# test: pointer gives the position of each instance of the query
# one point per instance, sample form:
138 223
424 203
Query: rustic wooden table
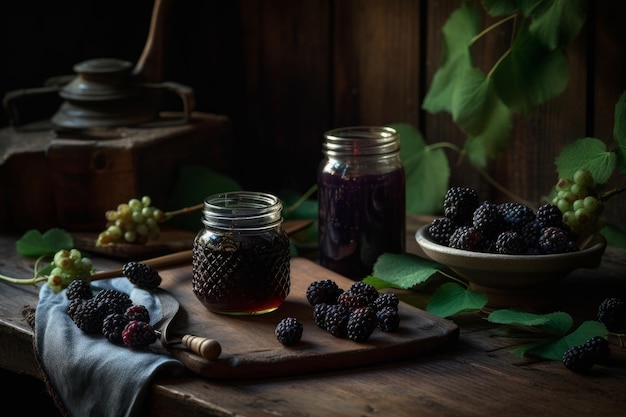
477 376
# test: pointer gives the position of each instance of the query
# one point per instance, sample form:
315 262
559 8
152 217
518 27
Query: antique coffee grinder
108 141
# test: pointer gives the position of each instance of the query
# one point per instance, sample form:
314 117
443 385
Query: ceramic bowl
511 276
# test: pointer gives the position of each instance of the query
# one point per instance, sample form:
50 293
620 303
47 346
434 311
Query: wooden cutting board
250 348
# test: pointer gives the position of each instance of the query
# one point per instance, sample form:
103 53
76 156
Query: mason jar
241 258
361 196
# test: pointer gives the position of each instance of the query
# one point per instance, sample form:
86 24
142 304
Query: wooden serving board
250 348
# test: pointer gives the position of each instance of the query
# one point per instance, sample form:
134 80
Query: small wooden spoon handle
209 349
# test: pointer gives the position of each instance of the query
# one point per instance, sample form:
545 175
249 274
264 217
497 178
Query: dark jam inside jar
237 273
361 217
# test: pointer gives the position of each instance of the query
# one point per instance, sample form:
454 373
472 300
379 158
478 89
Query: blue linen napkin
91 375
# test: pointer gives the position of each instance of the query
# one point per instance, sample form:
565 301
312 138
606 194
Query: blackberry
113 326
116 301
141 275
441 229
612 313
88 315
388 319
323 291
601 346
365 290
530 233
515 215
78 289
336 320
487 220
138 312
74 306
549 215
289 331
138 334
351 300
361 323
459 204
319 314
555 240
579 358
386 300
467 238
510 243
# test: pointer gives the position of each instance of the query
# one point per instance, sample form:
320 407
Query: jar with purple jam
241 258
361 196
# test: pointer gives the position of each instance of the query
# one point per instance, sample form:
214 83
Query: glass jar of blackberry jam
361 196
241 258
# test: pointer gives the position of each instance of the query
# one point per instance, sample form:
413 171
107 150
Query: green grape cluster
67 266
134 222
577 199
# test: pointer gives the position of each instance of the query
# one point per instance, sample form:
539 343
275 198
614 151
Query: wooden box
54 179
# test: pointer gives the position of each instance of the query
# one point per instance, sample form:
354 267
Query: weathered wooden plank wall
286 71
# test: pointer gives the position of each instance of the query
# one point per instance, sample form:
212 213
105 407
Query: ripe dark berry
319 314
555 240
88 315
142 275
510 243
112 327
351 300
386 300
579 359
289 331
515 215
612 313
467 238
365 290
441 229
549 215
323 291
487 220
601 346
115 301
138 334
138 312
79 289
361 324
459 204
336 320
388 319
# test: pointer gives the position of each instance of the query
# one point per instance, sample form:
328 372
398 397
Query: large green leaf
557 323
473 101
619 132
34 244
411 139
427 180
458 34
586 153
499 7
560 22
530 74
451 298
493 140
404 270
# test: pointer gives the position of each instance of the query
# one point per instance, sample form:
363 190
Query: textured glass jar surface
361 196
244 269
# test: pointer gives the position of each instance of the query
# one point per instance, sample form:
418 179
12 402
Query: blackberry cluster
289 331
324 291
612 313
504 228
110 313
356 312
142 275
582 358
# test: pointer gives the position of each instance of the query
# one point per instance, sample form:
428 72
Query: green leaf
499 7
194 184
586 153
555 350
378 283
560 22
557 323
493 140
451 298
404 270
615 237
530 74
472 101
619 132
427 171
458 34
35 244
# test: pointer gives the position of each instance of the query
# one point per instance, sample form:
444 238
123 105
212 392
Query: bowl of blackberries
507 246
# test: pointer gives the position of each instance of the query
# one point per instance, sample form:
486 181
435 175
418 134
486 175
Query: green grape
576 199
584 178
